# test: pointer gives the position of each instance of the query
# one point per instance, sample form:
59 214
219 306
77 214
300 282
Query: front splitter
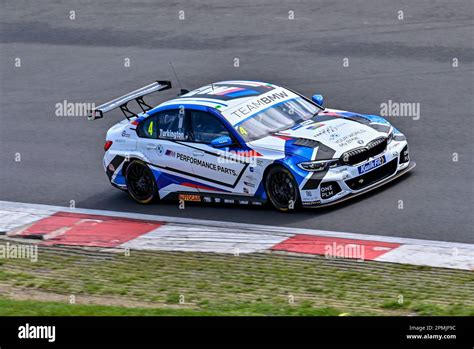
410 167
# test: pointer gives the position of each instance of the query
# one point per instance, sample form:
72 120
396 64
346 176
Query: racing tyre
282 189
141 182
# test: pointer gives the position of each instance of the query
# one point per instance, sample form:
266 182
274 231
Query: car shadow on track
119 201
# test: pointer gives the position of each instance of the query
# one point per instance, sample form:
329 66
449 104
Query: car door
219 168
160 136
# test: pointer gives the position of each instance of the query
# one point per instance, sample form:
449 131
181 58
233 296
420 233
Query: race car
248 142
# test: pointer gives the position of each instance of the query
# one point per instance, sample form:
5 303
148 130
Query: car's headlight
390 136
320 165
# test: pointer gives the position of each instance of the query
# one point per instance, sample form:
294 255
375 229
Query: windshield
279 117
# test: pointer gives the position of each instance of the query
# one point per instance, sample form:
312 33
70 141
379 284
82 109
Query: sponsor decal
258 203
285 138
350 138
296 127
243 202
230 89
315 126
202 163
328 130
125 134
371 165
190 197
172 134
250 178
214 90
223 90
327 191
217 200
170 153
229 201
259 103
207 199
405 156
360 141
246 190
248 184
310 203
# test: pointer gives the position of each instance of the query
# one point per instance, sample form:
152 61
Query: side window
168 124
171 124
206 127
147 128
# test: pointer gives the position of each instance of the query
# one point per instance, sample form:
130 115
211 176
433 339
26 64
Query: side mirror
318 99
222 141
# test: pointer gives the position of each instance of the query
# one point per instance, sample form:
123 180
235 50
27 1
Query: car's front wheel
141 182
282 189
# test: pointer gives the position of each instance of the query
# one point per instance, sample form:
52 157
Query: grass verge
46 308
183 283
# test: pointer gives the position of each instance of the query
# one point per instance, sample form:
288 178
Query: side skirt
214 198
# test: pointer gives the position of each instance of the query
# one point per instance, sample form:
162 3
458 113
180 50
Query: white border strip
188 234
15 208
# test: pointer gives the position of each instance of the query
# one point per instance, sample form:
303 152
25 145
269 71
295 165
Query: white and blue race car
248 142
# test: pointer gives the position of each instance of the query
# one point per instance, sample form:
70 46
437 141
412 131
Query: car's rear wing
122 102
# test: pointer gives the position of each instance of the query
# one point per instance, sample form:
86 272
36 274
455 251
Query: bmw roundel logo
360 141
160 149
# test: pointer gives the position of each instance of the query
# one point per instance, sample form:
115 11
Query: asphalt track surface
82 60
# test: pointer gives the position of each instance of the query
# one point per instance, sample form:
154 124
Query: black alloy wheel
282 189
140 182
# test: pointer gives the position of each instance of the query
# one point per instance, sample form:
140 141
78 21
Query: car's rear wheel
282 189
141 182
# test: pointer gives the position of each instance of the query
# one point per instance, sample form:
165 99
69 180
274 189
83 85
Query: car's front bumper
345 182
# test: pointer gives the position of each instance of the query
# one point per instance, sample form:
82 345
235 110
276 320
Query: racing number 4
150 129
